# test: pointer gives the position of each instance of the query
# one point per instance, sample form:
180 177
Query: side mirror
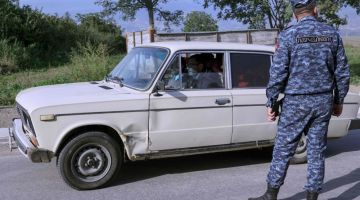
160 86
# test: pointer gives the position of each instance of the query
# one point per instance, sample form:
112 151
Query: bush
11 56
90 62
353 54
47 40
87 63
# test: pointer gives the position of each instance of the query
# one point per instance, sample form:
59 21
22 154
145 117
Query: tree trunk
150 8
270 19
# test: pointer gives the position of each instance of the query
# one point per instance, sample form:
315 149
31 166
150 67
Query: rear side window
250 70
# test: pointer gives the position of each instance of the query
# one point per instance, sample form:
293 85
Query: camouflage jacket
310 59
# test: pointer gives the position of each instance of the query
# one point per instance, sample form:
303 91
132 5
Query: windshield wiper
116 79
107 77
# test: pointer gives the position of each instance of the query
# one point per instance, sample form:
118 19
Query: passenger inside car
216 67
201 74
198 71
242 81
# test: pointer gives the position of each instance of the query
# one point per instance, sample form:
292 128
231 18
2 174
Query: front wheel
90 160
300 155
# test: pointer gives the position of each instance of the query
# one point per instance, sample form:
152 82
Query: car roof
192 45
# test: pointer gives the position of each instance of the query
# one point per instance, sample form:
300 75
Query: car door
191 112
249 77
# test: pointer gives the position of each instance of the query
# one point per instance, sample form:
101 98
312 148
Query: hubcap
301 145
91 162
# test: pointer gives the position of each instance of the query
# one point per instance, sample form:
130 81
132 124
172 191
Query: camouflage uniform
310 67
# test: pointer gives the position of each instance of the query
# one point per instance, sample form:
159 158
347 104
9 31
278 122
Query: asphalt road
234 175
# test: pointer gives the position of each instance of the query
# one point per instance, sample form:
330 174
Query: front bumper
17 135
354 124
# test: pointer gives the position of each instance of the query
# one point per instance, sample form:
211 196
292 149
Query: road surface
234 175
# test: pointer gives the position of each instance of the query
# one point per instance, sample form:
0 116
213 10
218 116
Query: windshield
139 67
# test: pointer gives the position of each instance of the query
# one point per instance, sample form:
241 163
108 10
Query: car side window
172 77
195 71
250 70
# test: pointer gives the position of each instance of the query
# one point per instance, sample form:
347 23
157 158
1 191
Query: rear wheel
90 160
300 155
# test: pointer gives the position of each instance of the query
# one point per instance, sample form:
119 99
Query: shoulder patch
313 39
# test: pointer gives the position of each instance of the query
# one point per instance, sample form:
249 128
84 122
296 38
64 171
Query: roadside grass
353 53
86 65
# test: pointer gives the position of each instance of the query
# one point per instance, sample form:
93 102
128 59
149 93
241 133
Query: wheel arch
112 132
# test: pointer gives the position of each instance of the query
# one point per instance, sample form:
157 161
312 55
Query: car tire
300 155
90 160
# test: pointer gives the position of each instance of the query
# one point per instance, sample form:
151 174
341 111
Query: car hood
72 94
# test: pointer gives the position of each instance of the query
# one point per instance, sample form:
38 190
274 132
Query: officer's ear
295 17
315 11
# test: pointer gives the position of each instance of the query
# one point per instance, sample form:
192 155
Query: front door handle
222 101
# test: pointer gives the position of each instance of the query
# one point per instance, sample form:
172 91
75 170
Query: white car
163 99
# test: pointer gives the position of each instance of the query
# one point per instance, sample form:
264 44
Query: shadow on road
349 194
136 171
141 170
348 143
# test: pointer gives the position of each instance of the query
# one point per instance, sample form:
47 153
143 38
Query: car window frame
154 79
270 54
177 53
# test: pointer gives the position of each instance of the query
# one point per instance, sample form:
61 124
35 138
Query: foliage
197 21
276 13
129 8
99 30
353 54
92 62
87 63
329 10
48 39
11 55
256 13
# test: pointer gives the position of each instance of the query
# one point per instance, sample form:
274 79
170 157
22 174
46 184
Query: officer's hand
271 116
337 110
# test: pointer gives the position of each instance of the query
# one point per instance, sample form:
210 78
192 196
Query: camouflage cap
301 3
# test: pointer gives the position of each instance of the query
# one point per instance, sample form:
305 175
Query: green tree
260 14
129 8
256 13
100 30
198 21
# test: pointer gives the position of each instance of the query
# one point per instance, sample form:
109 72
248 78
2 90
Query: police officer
310 67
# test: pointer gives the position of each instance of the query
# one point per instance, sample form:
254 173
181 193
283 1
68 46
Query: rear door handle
222 101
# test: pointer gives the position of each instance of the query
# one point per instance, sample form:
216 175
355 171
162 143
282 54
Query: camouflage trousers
309 114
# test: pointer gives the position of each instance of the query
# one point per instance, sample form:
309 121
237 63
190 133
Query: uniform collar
310 17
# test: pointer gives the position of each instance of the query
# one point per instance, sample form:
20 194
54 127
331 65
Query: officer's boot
312 195
270 194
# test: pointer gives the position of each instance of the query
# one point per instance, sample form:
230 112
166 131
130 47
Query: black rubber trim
153 110
354 124
351 103
244 105
250 105
96 113
189 108
162 109
207 149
